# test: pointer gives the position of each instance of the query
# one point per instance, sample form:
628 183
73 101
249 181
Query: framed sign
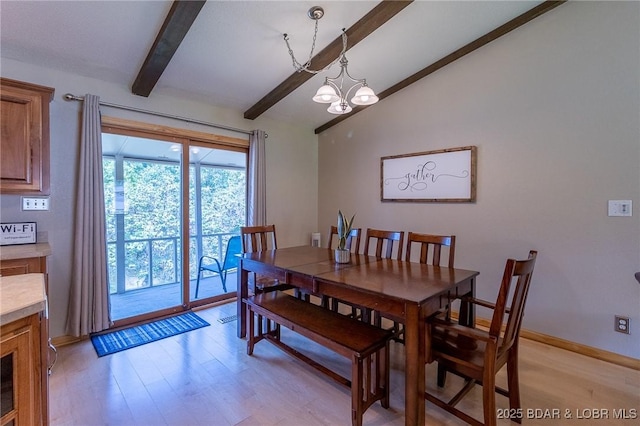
446 175
17 233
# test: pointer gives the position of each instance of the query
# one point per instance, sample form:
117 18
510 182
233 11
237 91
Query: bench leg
357 391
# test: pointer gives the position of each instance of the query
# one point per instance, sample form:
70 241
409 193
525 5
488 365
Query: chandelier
335 91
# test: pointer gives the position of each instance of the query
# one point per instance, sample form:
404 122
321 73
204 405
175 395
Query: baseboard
65 340
581 349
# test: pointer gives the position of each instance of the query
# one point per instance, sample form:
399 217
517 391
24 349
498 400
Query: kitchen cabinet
21 367
23 340
23 264
24 141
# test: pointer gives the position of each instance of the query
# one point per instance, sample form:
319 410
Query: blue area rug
116 341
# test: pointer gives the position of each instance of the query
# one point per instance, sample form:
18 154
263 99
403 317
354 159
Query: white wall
291 166
554 109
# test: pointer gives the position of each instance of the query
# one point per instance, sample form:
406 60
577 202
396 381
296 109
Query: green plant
344 229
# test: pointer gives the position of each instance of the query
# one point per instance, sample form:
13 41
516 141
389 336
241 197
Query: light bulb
364 96
340 107
325 95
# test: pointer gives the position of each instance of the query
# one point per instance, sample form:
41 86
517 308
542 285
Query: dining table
403 291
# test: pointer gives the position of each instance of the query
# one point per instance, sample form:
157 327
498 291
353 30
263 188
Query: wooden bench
365 345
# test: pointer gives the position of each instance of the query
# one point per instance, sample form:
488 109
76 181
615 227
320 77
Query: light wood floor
204 377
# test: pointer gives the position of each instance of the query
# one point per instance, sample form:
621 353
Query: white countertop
21 296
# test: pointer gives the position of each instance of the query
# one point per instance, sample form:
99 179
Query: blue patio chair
211 264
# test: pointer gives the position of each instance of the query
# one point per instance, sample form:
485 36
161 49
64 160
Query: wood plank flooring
205 377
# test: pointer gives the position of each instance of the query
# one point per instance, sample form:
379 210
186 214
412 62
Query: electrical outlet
622 324
35 203
620 208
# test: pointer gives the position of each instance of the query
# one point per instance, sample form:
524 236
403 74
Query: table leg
467 310
414 329
242 293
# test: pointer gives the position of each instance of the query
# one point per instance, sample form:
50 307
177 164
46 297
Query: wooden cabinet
21 366
20 260
23 266
24 141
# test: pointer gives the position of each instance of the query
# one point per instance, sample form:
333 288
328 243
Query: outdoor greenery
145 209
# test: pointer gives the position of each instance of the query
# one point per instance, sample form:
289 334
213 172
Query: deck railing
149 262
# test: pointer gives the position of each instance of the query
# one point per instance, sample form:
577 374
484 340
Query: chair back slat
520 272
384 241
435 243
258 238
350 244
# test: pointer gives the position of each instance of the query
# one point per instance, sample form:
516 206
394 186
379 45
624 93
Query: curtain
89 294
257 180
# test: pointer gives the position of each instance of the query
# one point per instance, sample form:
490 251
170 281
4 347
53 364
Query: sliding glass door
146 190
217 210
143 201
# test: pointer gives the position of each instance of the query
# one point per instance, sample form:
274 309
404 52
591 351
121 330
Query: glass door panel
217 210
143 202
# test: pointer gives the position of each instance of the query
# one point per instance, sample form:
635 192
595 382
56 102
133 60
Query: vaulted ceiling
232 53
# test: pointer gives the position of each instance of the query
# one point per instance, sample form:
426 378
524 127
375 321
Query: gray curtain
257 180
89 294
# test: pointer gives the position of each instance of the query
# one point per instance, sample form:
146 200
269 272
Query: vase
342 256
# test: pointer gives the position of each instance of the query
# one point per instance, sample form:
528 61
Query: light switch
35 203
620 208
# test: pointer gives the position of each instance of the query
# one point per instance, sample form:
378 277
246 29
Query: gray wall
554 111
291 151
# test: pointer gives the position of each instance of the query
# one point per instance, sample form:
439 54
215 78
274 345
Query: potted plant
342 254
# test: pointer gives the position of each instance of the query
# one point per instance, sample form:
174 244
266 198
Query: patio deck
151 299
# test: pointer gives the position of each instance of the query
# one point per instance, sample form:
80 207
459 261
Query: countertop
21 296
25 251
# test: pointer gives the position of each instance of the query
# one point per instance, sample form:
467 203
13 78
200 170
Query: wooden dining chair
353 245
431 248
384 242
476 354
261 238
431 253
258 238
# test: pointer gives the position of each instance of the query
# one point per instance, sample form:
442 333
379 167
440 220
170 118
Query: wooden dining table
406 292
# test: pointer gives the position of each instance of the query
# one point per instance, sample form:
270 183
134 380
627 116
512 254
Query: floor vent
227 319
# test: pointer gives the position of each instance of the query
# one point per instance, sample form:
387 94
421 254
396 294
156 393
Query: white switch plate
35 203
620 208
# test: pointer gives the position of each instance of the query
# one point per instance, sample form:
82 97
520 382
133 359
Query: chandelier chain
305 67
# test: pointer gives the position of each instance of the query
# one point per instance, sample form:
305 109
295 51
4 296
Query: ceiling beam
174 29
376 17
464 50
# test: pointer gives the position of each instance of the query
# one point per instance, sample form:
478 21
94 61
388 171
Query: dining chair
261 238
353 245
431 248
477 354
230 261
349 245
258 238
431 253
384 242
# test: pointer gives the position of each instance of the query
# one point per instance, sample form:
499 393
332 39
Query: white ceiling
234 53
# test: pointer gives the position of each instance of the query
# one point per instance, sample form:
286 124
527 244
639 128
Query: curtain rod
70 97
